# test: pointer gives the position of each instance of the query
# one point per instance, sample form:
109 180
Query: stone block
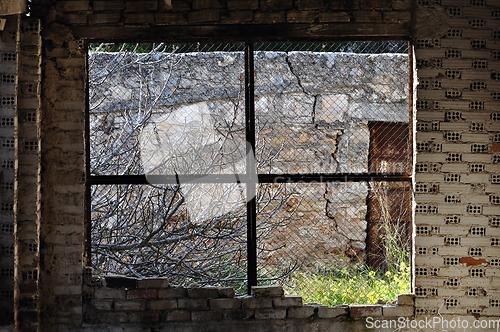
153 283
397 311
203 293
130 305
332 312
169 293
109 293
229 303
288 301
143 317
256 303
300 312
192 304
275 313
267 291
212 315
163 305
178 316
365 310
142 294
226 292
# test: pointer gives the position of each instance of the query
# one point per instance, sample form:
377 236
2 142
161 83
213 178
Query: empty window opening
239 164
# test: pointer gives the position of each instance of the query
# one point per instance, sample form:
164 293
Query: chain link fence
321 109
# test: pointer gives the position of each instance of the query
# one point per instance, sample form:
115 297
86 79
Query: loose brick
256 303
178 315
226 292
300 312
267 291
365 310
130 305
203 293
163 305
153 283
142 294
224 304
288 301
143 317
193 304
332 312
172 293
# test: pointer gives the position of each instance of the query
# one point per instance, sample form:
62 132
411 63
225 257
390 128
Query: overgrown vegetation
351 285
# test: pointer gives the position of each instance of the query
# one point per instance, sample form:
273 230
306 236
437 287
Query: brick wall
456 231
8 65
457 189
152 304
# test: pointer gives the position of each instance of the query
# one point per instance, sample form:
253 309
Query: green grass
351 285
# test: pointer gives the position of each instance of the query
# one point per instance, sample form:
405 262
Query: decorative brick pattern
466 243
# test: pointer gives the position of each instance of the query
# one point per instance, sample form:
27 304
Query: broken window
248 163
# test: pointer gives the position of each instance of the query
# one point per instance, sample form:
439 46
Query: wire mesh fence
321 108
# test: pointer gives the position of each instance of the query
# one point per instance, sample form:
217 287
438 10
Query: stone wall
312 114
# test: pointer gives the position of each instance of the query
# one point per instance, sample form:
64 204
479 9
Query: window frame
251 178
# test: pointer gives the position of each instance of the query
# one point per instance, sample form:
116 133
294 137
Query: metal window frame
251 176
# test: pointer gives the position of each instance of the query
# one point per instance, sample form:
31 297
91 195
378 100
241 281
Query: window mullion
250 167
